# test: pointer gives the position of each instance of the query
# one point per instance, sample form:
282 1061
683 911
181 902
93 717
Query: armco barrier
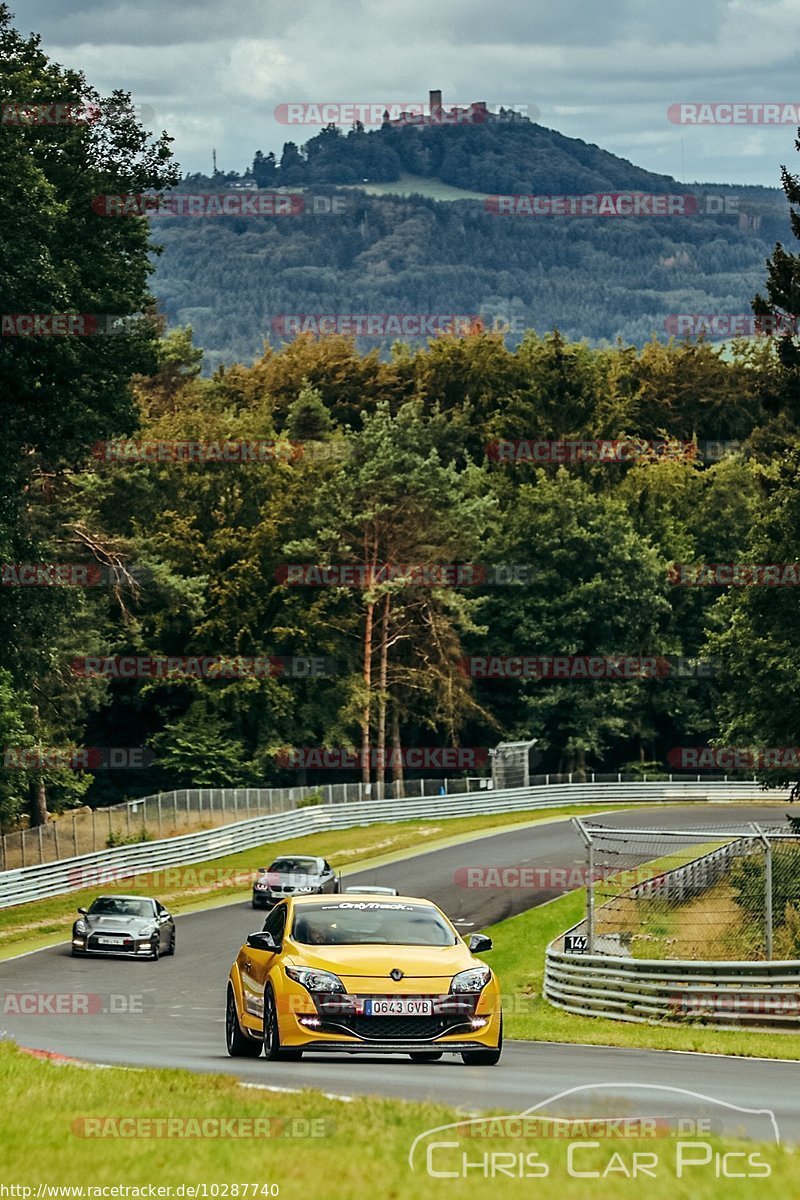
67 875
631 989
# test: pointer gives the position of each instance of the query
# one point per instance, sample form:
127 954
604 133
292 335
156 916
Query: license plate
111 941
391 1007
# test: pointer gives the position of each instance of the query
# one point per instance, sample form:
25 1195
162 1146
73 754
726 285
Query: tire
171 949
484 1058
238 1043
423 1056
273 1050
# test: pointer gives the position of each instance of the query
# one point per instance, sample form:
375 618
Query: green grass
363 1150
518 960
182 889
419 185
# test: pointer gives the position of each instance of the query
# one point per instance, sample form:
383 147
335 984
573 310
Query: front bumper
264 899
131 947
337 1022
346 1046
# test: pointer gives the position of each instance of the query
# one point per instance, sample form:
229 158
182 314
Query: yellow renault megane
363 974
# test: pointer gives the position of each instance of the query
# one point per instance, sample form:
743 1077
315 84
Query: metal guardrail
67 875
642 990
624 988
695 877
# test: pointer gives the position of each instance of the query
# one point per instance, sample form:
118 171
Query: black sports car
136 926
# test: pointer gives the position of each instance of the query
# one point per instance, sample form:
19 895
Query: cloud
605 73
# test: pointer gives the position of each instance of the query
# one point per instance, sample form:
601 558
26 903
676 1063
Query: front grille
93 944
395 1029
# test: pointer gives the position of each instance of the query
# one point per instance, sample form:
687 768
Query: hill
410 234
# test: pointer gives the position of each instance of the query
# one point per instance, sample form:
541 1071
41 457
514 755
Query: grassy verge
361 1145
419 185
518 959
223 880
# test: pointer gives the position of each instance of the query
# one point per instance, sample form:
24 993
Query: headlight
80 927
316 981
473 980
306 889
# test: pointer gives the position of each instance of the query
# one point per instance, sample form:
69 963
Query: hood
134 925
416 962
288 879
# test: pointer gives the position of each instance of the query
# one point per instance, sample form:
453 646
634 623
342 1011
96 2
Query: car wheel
156 952
484 1058
425 1055
273 1049
238 1043
171 949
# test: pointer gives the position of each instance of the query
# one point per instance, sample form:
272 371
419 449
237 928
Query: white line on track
273 1087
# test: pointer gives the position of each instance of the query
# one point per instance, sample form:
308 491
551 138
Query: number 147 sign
576 943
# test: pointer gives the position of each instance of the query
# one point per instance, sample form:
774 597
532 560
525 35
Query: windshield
295 866
360 923
113 906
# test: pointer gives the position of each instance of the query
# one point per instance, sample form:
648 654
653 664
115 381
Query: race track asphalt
179 1002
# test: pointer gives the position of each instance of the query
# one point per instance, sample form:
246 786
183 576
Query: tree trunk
397 754
383 673
370 559
367 710
38 799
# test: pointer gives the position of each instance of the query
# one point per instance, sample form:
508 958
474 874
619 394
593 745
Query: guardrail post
762 837
587 841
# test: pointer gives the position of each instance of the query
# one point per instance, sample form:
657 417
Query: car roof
317 858
115 896
359 898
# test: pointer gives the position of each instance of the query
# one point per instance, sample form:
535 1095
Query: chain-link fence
86 830
713 895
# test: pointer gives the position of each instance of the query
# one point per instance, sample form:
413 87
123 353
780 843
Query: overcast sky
214 72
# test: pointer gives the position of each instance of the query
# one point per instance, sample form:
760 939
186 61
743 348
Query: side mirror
479 943
83 912
263 941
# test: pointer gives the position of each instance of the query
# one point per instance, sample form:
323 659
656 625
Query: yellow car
368 974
